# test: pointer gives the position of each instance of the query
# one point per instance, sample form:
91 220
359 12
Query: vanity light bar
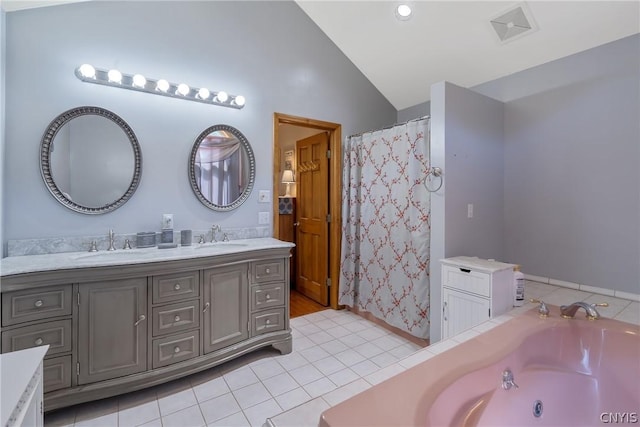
114 78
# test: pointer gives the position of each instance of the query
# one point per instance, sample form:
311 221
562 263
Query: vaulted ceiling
454 40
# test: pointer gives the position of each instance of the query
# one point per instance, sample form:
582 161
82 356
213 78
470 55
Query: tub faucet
111 241
569 311
543 310
507 380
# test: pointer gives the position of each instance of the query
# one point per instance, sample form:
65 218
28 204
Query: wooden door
112 329
226 318
312 235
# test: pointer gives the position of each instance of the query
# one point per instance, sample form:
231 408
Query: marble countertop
69 260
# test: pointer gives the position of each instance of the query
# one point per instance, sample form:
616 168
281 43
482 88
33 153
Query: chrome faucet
225 238
507 380
543 310
214 228
569 311
201 239
111 241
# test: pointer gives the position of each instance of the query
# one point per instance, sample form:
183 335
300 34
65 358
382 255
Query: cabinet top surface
476 263
18 367
69 260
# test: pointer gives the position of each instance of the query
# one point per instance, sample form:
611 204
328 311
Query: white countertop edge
70 260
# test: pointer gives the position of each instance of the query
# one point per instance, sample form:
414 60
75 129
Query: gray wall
270 52
467 143
414 112
3 49
572 166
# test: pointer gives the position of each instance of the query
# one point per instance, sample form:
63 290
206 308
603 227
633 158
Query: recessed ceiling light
403 12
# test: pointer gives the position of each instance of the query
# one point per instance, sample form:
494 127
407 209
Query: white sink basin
220 245
101 256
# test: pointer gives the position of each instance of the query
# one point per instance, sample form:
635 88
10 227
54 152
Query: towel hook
437 172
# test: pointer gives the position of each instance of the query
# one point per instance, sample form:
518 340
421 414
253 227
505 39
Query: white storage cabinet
474 290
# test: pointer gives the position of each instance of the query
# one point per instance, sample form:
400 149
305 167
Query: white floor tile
345 392
170 403
352 340
364 368
384 374
630 314
99 420
404 350
154 423
306 374
326 324
236 420
251 395
338 332
319 387
258 414
320 337
210 389
329 365
334 347
314 353
384 359
343 377
240 378
302 343
280 384
292 398
309 329
138 414
188 417
388 342
350 357
219 407
267 369
368 350
372 333
292 361
305 415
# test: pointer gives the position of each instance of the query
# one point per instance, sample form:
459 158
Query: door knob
140 319
295 224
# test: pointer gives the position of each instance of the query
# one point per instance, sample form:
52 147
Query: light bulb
162 85
87 71
139 80
222 96
239 100
203 93
183 89
114 76
403 11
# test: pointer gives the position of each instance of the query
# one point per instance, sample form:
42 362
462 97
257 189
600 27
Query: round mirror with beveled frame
90 160
222 168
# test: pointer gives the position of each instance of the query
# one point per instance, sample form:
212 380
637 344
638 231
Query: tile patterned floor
336 355
331 349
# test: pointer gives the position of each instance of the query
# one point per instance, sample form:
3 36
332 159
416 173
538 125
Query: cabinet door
226 303
461 311
112 329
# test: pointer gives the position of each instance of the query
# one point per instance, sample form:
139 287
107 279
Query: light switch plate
264 196
263 218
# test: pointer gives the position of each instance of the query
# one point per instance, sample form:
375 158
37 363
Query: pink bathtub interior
585 373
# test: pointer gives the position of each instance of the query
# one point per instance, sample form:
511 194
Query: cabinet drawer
173 287
267 271
57 373
266 296
36 304
466 280
175 348
267 321
56 334
176 317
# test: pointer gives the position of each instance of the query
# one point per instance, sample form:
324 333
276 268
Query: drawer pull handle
38 303
140 319
268 296
176 349
444 314
39 341
268 270
465 270
176 319
176 286
206 307
268 321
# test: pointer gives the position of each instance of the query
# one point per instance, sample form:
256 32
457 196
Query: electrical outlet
263 218
264 196
470 210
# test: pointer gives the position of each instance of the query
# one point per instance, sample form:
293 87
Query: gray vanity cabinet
226 315
112 329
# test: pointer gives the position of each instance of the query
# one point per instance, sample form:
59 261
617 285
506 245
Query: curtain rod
390 126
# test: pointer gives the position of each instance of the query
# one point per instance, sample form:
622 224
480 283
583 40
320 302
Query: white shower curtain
386 226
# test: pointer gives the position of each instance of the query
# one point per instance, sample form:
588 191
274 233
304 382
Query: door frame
335 188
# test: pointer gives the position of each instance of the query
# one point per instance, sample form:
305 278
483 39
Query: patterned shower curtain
386 226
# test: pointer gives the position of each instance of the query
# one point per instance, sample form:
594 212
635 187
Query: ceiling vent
514 23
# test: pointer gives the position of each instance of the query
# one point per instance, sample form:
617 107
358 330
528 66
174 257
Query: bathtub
568 372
